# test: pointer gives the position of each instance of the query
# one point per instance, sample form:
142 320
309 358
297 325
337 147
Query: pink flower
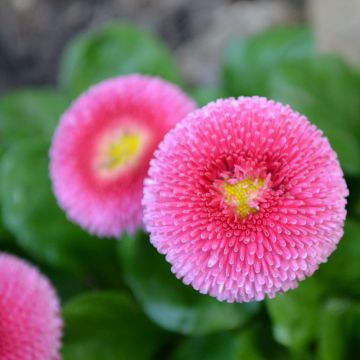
30 324
102 148
246 198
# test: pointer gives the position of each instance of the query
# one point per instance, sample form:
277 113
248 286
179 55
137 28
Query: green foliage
335 326
310 315
108 326
30 212
295 315
342 272
221 346
249 62
116 49
30 114
139 309
167 300
353 206
328 93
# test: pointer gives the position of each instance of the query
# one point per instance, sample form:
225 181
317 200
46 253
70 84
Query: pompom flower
102 147
245 197
30 324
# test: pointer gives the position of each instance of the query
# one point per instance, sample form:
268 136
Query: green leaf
334 329
5 236
353 205
255 343
167 301
342 271
294 315
249 62
115 49
30 114
67 283
107 326
356 322
328 93
3 231
220 346
30 212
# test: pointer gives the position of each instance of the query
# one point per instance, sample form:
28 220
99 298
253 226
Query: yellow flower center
242 193
117 150
122 150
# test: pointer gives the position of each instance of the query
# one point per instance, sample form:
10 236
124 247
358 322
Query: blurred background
33 33
119 298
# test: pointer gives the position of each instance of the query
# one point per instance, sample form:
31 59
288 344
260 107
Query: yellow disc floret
116 150
242 193
122 150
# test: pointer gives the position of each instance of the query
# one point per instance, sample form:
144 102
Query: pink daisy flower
245 197
30 324
102 148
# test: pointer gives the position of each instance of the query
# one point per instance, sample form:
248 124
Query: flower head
245 197
102 148
30 325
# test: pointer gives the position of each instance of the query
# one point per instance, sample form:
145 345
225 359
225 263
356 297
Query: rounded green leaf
220 346
3 232
342 271
115 49
167 301
353 205
30 114
249 62
67 283
328 93
30 212
295 313
335 325
107 326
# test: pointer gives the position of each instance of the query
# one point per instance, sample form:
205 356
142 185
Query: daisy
246 198
102 148
30 324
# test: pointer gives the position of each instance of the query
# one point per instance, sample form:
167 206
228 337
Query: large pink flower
30 324
102 148
245 197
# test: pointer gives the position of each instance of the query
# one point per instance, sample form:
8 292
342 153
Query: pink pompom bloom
245 197
30 323
102 147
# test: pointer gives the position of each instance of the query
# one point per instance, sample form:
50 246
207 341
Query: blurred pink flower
30 324
245 197
102 148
